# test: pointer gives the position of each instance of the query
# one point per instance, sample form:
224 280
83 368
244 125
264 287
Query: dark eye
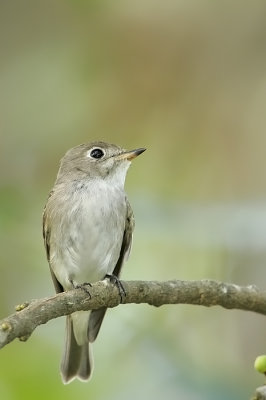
96 153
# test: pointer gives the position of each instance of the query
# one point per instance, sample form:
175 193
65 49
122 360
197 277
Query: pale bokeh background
187 80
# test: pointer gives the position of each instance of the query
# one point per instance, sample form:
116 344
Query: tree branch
260 393
104 294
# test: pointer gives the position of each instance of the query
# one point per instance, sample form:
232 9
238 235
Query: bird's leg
114 279
81 286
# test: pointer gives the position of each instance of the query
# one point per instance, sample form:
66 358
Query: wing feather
46 237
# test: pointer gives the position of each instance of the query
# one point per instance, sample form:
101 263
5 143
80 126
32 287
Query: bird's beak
130 155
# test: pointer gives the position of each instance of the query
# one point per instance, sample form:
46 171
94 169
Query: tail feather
76 360
95 322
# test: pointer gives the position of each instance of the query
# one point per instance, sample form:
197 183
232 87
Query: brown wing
96 316
46 226
127 240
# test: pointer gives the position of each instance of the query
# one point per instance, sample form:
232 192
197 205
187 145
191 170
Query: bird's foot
114 279
82 286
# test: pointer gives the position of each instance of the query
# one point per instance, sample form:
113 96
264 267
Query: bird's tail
77 358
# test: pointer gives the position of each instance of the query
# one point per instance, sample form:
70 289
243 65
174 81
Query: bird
87 230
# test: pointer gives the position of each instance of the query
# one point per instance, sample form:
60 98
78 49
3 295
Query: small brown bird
87 229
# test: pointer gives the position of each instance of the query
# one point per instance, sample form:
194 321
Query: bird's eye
96 153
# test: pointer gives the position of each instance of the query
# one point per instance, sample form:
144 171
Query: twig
260 393
104 294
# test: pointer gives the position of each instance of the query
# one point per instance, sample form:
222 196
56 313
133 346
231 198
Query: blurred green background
187 80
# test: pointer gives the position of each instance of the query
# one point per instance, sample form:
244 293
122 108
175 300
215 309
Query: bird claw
82 286
114 279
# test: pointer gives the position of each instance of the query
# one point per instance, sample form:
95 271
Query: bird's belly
96 254
90 242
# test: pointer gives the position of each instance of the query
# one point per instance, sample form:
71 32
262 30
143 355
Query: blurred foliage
187 80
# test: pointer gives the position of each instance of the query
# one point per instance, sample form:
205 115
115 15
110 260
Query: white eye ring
96 153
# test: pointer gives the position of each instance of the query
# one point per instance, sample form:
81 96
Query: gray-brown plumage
87 229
